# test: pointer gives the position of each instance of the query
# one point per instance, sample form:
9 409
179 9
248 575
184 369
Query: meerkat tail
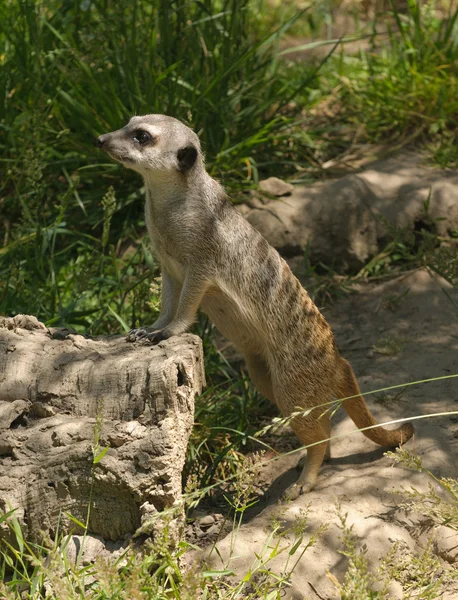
358 411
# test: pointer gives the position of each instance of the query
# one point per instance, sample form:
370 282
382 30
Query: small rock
7 443
370 354
60 333
40 410
143 460
10 411
446 543
214 530
197 514
117 440
200 533
22 322
86 547
206 521
132 428
276 187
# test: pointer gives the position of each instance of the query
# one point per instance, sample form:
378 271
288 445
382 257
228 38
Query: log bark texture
57 391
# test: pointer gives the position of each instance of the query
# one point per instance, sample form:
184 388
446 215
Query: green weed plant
72 252
403 86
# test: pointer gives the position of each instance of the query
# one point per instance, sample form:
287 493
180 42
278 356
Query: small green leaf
100 455
213 574
293 550
75 520
119 319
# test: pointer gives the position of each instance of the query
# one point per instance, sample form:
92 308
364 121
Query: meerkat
211 258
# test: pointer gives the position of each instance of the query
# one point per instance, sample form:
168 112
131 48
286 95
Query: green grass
71 72
86 69
34 571
403 87
72 248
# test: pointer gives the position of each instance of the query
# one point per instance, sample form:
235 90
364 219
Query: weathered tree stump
59 392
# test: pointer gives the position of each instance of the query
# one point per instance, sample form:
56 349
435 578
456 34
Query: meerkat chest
172 266
164 252
169 262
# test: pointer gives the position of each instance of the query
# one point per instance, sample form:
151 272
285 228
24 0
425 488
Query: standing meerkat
212 258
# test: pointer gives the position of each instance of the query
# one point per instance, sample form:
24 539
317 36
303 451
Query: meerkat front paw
149 334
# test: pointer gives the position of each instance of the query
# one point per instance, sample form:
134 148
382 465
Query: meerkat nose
100 142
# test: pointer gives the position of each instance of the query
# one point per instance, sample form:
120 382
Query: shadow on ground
396 332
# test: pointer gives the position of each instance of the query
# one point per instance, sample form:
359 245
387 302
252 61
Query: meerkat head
153 145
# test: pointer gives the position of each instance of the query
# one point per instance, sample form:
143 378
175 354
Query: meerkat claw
134 335
143 334
155 336
293 492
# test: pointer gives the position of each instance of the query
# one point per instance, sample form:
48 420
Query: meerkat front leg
170 297
192 292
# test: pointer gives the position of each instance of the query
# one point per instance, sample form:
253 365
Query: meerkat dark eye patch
186 158
142 137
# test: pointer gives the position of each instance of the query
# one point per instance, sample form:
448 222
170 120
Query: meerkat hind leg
310 432
303 460
260 375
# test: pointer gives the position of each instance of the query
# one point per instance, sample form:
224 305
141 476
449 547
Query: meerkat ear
186 158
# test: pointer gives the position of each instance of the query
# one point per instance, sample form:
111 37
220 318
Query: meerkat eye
142 137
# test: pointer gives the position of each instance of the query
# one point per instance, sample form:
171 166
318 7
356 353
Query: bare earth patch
343 222
393 333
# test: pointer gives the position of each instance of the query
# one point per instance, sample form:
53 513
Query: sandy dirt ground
394 332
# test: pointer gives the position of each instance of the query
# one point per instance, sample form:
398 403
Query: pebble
200 533
206 521
214 530
40 410
276 187
446 543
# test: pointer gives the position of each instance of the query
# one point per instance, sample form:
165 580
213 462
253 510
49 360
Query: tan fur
213 259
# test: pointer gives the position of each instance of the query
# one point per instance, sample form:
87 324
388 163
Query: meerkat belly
270 313
231 320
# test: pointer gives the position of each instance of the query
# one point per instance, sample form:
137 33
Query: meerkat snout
100 141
